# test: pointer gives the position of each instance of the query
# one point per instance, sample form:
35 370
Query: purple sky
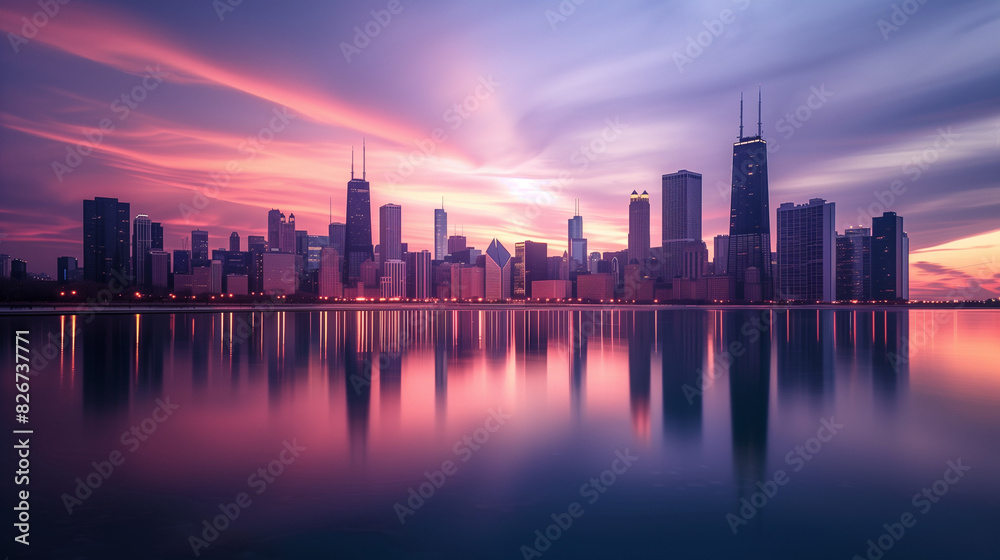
850 106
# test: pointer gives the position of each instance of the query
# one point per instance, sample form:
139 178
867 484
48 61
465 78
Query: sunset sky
894 109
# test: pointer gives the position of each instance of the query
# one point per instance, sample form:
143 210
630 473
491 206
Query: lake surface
688 433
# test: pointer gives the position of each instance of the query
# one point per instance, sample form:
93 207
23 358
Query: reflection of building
805 353
749 388
682 334
498 274
807 251
750 222
639 332
890 258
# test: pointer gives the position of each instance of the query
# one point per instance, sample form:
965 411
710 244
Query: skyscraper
720 259
393 282
576 243
390 232
681 218
807 251
638 228
854 264
142 244
337 232
199 245
234 242
890 258
531 265
286 234
330 275
156 236
497 272
456 243
274 219
422 274
749 219
440 233
105 239
358 233
66 269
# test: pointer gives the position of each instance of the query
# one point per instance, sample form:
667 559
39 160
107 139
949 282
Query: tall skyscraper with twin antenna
358 234
749 220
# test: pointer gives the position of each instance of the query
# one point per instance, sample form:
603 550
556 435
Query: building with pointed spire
576 243
749 220
358 233
440 232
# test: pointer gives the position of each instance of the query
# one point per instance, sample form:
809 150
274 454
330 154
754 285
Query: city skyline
812 117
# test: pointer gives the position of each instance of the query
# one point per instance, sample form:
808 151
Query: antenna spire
741 115
331 209
363 159
352 162
442 203
758 111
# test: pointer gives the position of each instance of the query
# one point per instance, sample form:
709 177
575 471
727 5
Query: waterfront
528 406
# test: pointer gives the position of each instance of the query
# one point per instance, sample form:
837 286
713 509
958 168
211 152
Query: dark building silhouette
638 228
854 265
749 221
358 235
199 245
234 242
530 265
105 239
890 258
156 236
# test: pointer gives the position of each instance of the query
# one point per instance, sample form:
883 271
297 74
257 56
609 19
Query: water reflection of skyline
364 356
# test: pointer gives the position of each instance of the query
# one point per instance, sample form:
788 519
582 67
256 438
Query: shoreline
48 309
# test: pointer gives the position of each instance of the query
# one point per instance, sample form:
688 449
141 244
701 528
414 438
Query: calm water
502 419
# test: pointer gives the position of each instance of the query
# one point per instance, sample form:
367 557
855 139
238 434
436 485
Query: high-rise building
256 243
156 236
316 245
234 242
720 257
4 266
286 234
199 245
393 282
498 274
390 232
456 243
638 228
854 264
531 264
159 269
19 270
576 243
330 275
302 243
807 251
337 233
274 219
440 233
358 233
749 219
279 275
105 239
422 274
142 244
66 268
182 261
681 226
890 258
